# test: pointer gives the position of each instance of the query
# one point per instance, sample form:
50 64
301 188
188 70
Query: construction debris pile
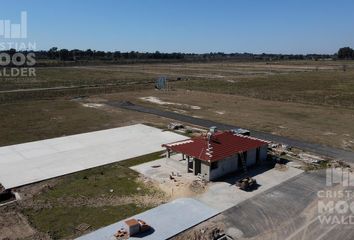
179 127
132 227
281 154
175 126
198 186
208 233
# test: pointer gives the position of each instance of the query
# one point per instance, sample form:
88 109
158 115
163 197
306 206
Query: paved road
347 156
288 211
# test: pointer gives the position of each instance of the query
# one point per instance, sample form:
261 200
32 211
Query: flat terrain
219 195
71 205
311 123
167 220
27 163
28 121
288 211
305 100
310 82
319 149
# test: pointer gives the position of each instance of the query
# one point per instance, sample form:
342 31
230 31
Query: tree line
77 55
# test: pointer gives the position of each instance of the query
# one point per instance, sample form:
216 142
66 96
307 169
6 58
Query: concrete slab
166 167
224 194
221 194
27 163
167 220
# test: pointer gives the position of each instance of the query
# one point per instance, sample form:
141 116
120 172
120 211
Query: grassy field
46 119
74 76
36 120
328 125
314 82
97 197
121 74
333 88
60 222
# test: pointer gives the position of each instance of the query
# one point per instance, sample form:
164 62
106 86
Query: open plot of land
329 88
37 120
31 162
303 98
315 82
309 101
318 124
167 220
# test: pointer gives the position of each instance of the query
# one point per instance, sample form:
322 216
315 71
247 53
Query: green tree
345 53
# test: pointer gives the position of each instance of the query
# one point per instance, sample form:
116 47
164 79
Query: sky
199 26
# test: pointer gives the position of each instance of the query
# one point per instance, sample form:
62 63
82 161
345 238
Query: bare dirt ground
171 177
14 225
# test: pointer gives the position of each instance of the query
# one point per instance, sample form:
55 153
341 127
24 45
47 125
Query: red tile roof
221 145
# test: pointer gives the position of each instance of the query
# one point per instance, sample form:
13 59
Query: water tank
213 129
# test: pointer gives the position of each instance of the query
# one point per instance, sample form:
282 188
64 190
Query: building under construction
219 153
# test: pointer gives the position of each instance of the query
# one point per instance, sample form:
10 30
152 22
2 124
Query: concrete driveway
222 195
167 220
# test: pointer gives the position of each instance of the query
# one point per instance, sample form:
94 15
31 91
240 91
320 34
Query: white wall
225 166
230 164
205 171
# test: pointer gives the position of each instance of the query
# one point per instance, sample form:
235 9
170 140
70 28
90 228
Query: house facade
219 153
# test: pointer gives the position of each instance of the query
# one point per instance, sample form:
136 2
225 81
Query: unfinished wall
263 153
225 166
230 164
205 171
251 157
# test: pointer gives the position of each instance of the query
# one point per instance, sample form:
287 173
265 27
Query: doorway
197 166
